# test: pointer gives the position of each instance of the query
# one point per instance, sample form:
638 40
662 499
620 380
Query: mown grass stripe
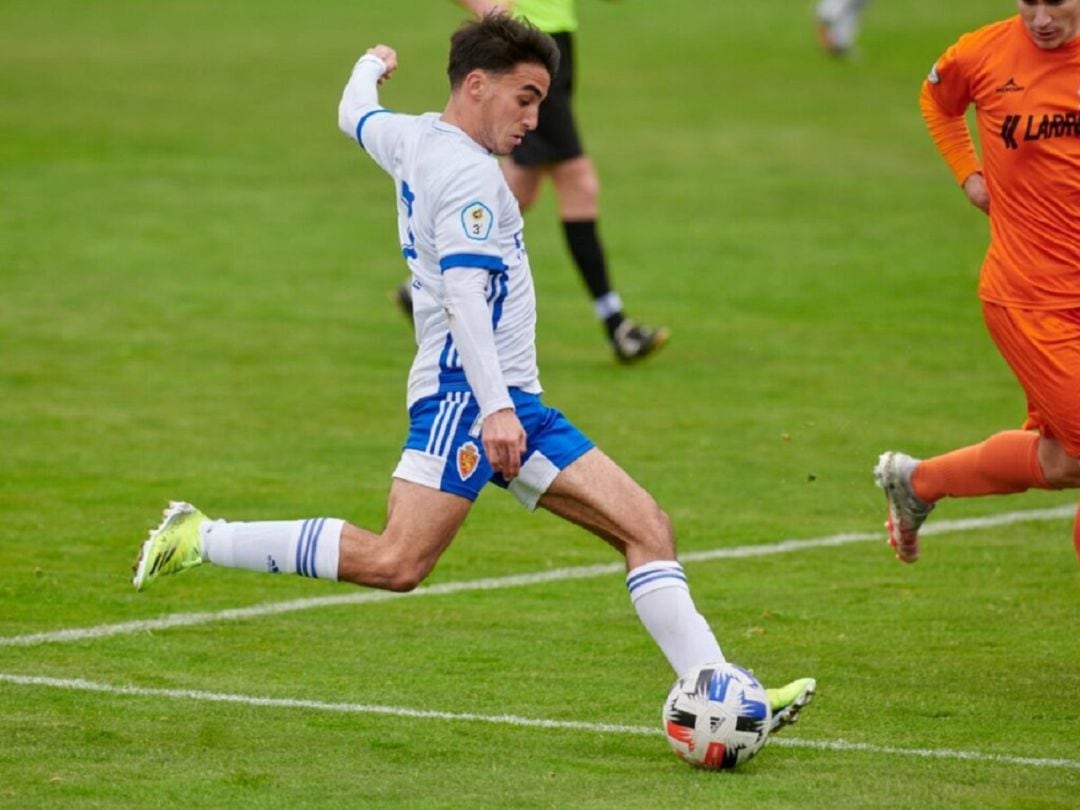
513 581
842 746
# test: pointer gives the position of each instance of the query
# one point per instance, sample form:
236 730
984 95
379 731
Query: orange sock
1006 462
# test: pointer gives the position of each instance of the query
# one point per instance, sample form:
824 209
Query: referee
555 149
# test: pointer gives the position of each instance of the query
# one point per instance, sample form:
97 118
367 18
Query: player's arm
943 101
360 98
467 239
465 298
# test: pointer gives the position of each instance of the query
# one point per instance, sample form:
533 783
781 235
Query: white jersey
456 214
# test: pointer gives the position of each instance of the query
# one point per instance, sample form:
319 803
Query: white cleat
907 511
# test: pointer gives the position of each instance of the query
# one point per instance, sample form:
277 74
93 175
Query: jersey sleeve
467 226
363 118
467 238
943 101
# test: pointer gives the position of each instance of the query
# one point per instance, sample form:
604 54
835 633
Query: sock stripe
300 547
654 577
313 543
651 568
306 545
639 578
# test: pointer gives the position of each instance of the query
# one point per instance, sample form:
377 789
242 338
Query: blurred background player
554 149
838 24
1023 76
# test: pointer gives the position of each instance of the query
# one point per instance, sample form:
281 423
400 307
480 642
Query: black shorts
555 138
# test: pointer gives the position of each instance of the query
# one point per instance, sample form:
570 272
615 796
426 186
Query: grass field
195 278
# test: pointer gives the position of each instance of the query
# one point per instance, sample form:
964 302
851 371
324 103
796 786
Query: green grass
195 270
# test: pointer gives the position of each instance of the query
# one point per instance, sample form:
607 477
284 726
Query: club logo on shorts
468 457
476 219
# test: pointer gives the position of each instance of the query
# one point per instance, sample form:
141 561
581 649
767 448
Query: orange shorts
1043 349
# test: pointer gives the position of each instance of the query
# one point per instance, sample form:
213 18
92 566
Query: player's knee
653 535
586 188
590 188
578 188
1060 469
526 197
397 570
404 581
404 577
1064 474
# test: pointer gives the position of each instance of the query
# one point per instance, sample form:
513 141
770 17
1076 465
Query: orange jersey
1027 105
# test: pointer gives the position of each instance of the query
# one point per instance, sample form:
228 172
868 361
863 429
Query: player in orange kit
1023 76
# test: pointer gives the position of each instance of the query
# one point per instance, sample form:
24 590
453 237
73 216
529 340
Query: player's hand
389 57
504 442
975 189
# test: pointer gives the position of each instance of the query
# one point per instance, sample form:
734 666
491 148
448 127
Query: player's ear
475 84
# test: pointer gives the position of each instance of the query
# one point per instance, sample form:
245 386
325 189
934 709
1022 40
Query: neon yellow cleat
174 546
788 701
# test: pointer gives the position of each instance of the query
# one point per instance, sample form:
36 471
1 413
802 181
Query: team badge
468 457
476 219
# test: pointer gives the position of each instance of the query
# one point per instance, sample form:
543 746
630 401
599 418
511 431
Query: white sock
664 605
306 547
607 305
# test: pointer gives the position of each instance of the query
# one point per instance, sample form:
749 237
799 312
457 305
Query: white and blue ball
717 716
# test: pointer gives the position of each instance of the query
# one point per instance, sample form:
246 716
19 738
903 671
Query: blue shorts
444 450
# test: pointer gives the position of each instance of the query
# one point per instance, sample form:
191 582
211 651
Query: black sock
584 243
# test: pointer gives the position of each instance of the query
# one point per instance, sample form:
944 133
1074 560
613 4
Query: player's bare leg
524 182
1061 470
577 188
598 495
577 192
420 524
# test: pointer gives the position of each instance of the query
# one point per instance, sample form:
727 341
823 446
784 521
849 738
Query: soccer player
554 149
1023 76
473 392
838 24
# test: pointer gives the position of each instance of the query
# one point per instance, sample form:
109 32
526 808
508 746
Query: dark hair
498 43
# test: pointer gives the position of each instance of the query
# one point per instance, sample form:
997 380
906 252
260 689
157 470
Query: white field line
519 580
512 720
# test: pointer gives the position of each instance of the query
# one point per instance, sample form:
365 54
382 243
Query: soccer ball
717 716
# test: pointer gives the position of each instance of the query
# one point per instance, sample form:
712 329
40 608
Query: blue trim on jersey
408 198
477 260
408 250
449 360
362 121
500 289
